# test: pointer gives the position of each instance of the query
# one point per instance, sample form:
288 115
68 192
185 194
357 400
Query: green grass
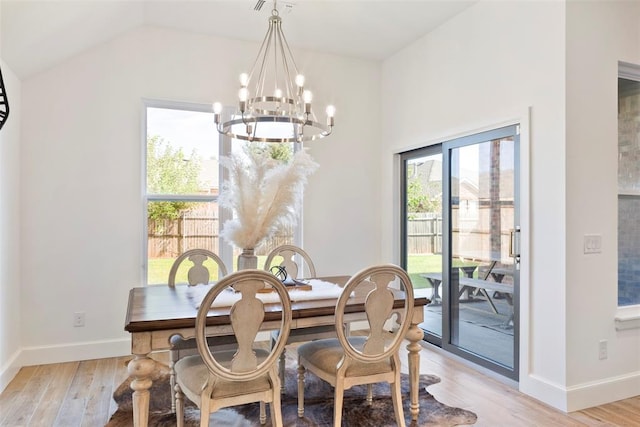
158 271
418 264
428 263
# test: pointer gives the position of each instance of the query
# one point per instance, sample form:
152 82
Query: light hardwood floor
79 394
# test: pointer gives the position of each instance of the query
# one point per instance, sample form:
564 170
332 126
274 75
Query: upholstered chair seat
193 374
325 355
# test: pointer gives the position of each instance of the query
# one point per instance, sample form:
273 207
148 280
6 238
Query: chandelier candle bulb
331 111
308 97
217 109
243 94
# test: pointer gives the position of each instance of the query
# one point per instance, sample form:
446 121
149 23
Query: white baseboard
603 391
9 370
87 350
582 396
539 388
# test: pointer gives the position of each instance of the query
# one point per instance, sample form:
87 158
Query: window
182 181
181 184
628 185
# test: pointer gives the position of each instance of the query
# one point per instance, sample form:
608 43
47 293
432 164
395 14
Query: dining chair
358 360
290 255
198 273
219 379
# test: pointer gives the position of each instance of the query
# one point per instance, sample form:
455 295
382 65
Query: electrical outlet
602 349
78 319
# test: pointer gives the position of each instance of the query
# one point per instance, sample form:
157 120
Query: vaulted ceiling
36 35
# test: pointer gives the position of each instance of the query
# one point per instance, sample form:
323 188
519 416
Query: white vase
247 259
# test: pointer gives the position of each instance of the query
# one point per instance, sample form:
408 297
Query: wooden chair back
289 253
198 273
247 316
380 343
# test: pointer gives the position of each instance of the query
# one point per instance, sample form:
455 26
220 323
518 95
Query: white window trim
176 105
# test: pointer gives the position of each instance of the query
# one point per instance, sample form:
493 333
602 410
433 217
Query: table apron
147 342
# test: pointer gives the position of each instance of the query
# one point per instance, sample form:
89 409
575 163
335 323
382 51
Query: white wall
599 34
81 176
486 67
9 231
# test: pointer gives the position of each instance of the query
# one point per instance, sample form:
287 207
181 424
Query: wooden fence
424 233
169 238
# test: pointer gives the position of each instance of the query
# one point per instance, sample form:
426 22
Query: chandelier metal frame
274 92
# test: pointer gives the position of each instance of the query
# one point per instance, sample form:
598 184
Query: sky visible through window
191 130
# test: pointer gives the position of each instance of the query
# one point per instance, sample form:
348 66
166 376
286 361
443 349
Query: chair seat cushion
192 374
325 355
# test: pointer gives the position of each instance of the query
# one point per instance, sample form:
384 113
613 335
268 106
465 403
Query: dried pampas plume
264 194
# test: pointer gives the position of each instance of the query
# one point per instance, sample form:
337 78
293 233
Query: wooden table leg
141 367
414 335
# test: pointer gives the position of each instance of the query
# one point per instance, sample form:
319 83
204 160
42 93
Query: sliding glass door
460 239
422 228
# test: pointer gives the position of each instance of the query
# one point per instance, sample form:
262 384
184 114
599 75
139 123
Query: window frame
146 197
629 312
225 248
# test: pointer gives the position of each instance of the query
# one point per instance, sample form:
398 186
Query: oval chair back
218 379
356 360
247 316
289 254
379 307
198 273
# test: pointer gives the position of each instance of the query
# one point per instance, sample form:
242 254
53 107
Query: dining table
156 313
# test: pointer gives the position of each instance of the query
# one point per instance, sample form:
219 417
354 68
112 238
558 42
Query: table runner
320 289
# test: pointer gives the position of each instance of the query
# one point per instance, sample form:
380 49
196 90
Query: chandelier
274 105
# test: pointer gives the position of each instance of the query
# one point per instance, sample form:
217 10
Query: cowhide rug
318 406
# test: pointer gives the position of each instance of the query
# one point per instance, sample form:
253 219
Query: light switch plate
592 243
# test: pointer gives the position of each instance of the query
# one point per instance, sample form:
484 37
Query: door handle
514 246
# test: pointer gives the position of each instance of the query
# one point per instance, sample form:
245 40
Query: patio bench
467 282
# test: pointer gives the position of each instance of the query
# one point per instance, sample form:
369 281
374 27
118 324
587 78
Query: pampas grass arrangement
264 194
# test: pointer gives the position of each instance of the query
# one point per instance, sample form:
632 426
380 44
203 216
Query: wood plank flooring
79 394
